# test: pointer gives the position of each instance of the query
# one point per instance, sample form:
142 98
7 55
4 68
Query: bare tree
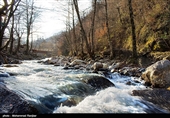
108 32
133 29
84 36
92 27
11 36
74 33
8 9
68 36
29 22
29 14
18 30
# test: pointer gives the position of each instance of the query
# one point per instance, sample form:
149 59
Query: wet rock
4 74
157 96
70 102
77 89
15 61
130 71
10 65
48 103
14 104
96 81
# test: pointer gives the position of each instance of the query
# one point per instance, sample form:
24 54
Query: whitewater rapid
47 86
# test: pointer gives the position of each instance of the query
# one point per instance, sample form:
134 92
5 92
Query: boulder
11 103
158 74
77 62
116 66
157 96
97 65
96 81
88 84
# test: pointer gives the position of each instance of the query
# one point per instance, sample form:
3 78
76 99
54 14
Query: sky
53 18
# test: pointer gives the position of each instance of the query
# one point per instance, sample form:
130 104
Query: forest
108 56
111 29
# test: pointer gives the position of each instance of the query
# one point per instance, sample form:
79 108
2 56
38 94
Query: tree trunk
108 33
133 29
82 30
120 16
11 36
27 43
2 28
11 11
92 28
18 46
29 24
74 34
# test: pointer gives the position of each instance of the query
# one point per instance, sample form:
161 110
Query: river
47 86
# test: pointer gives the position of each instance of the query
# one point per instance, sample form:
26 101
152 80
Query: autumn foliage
151 19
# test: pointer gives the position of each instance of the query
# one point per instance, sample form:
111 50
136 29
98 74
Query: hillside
152 24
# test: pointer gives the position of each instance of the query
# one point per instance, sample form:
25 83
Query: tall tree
11 36
68 29
18 30
29 22
74 33
108 32
8 9
93 26
133 29
84 36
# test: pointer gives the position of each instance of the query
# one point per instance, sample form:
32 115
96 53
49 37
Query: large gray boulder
158 74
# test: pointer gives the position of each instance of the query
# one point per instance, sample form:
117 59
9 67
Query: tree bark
11 36
108 32
133 30
74 34
82 30
10 14
92 28
29 24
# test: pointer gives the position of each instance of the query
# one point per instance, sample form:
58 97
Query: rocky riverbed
155 77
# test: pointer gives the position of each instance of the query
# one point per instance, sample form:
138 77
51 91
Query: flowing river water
47 86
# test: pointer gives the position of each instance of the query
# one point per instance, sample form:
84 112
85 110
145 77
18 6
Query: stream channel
47 86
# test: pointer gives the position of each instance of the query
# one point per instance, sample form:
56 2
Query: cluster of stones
156 75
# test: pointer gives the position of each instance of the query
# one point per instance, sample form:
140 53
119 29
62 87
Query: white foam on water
110 100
